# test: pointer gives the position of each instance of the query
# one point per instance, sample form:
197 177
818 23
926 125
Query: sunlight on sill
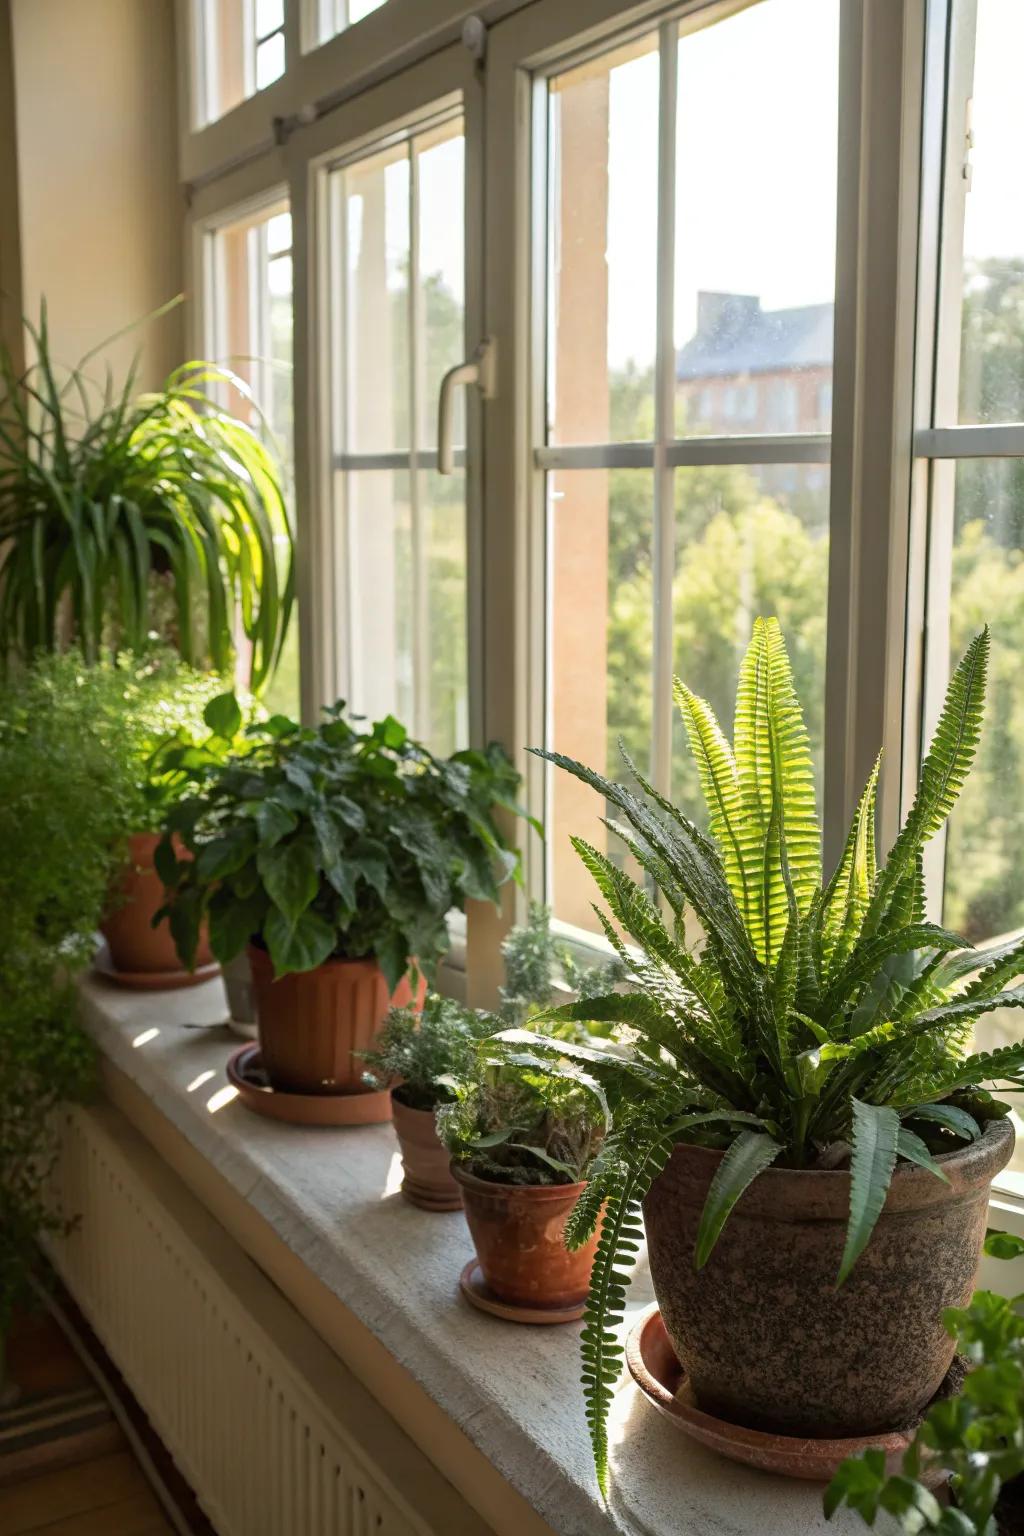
393 1182
197 1082
220 1098
144 1039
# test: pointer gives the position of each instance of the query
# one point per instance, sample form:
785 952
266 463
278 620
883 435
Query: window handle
481 370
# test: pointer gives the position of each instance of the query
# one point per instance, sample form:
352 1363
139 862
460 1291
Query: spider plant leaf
913 1150
750 1154
876 1130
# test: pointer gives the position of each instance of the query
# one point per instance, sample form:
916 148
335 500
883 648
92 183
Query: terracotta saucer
655 1369
479 1295
154 981
246 1074
428 1200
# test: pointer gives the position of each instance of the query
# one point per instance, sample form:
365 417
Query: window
972 451
333 16
662 543
248 306
397 325
241 50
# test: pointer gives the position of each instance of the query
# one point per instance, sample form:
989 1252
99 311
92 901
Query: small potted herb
975 1438
522 1140
416 1056
335 855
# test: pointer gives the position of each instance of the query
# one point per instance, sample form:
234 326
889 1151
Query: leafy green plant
815 1021
418 1054
977 1436
335 842
536 961
101 491
515 1122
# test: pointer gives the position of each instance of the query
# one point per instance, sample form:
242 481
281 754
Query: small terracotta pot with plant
522 1142
417 1055
800 1122
335 855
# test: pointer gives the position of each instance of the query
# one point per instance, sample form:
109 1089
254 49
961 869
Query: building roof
735 335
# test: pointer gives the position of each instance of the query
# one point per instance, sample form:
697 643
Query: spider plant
811 1022
101 490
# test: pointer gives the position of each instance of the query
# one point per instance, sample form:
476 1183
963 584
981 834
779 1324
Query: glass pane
226 72
984 886
375 219
602 247
443 715
749 541
270 61
599 659
992 351
380 606
357 9
250 305
269 16
756 157
441 300
279 233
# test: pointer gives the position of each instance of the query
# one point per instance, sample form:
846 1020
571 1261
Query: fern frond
1005 1065
849 891
1004 962
942 774
868 958
719 780
750 1154
875 1137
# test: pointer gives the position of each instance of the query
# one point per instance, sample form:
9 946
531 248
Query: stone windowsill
332 1197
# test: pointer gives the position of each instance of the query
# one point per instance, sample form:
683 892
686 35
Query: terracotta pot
311 1024
135 945
428 1181
518 1230
764 1335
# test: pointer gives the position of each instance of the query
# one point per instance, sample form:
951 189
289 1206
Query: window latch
481 369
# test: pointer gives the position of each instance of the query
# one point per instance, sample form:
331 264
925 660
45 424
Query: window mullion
664 412
420 634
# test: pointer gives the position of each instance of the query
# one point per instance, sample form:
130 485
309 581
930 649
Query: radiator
217 1358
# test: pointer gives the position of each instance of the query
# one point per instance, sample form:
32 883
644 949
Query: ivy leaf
291 875
299 946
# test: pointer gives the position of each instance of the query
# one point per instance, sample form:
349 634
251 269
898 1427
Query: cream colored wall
100 207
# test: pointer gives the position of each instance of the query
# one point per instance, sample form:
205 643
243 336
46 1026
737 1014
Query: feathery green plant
812 1021
101 490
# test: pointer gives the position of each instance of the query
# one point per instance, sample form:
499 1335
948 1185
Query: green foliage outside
821 1020
976 1436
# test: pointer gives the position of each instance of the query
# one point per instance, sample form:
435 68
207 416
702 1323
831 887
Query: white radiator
275 1436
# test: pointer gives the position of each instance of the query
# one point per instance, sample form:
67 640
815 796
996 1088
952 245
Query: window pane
279 233
756 156
441 597
269 61
749 541
269 16
374 219
984 885
357 9
992 350
599 669
441 301
602 247
380 607
249 302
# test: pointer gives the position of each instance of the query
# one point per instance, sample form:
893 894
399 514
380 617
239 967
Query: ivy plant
977 1436
814 1021
420 1054
334 841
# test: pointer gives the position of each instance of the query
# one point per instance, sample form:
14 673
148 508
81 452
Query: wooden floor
105 1497
103 1493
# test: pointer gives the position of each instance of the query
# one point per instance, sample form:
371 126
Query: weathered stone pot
428 1180
312 1024
764 1335
518 1231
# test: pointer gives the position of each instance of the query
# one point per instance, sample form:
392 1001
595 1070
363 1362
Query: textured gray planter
241 997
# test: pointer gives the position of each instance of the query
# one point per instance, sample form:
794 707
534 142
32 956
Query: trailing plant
815 1022
101 491
514 1122
337 842
976 1436
418 1054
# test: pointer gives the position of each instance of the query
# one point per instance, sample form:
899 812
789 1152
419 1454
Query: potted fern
805 1130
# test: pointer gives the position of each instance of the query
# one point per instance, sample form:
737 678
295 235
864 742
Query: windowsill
332 1197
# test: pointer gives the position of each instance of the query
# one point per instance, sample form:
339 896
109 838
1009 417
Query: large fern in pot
103 490
809 1017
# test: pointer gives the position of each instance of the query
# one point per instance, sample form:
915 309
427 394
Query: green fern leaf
849 891
950 1116
719 779
913 1150
868 959
750 1154
876 1130
1001 964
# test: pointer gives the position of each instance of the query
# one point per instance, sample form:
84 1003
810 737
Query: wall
100 208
